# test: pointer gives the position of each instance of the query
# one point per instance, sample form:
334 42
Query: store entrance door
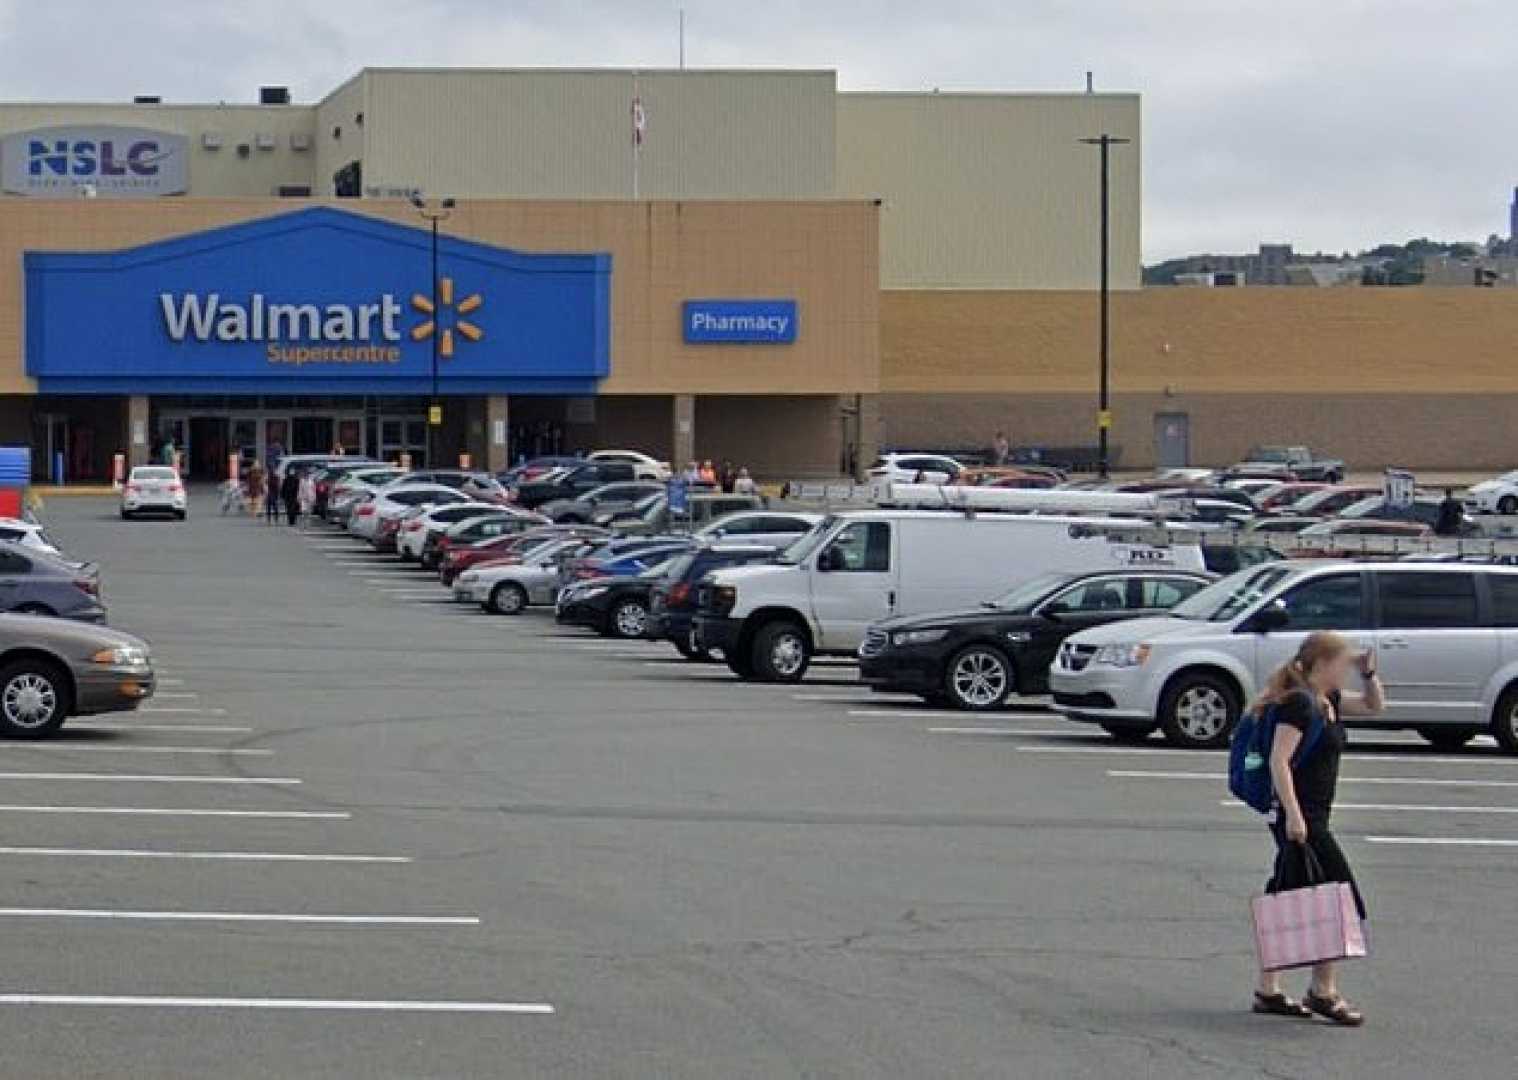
206 456
311 435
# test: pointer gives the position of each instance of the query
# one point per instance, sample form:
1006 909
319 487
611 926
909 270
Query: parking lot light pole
434 215
1103 410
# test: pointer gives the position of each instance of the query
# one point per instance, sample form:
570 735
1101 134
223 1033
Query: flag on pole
639 121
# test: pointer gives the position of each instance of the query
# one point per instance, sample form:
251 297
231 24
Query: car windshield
1225 599
1027 595
807 543
1269 453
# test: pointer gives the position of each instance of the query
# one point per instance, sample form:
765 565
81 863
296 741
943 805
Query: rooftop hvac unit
274 95
264 141
211 140
300 140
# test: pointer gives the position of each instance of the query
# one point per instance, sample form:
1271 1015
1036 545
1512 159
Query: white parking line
93 748
127 725
1399 808
273 781
185 710
170 682
224 856
519 1008
1441 841
181 695
166 811
1409 781
1172 751
1055 723
240 917
986 731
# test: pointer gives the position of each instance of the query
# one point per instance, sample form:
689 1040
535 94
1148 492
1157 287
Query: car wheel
1447 738
978 677
780 652
1198 711
1128 735
34 609
1508 505
34 699
629 619
507 598
1505 720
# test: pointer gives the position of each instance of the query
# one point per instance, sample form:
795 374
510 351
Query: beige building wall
223 172
340 132
993 191
568 134
822 254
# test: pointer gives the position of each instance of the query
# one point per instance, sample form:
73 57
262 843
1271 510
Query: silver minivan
1446 636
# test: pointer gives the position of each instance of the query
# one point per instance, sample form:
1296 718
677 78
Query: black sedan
614 606
976 659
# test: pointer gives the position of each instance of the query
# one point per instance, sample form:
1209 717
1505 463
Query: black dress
1315 778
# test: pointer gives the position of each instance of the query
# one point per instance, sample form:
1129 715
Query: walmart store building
780 274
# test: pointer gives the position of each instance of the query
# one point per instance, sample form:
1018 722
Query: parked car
608 498
913 469
1004 476
1499 495
1299 461
855 569
644 467
1331 538
1445 635
1327 501
29 534
1282 495
355 486
329 478
36 582
391 500
775 528
153 489
651 515
52 669
672 602
300 463
572 483
536 467
432 521
499 522
507 547
976 658
620 557
1424 510
1282 526
510 588
615 606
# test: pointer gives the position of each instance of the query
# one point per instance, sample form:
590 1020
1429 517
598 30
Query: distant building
1213 279
1267 266
1484 271
1512 218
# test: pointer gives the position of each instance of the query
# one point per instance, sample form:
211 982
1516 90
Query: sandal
1278 1004
1336 1009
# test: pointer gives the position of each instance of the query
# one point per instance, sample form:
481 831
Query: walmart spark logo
466 329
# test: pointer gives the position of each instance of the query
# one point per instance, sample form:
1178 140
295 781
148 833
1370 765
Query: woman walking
1306 692
289 494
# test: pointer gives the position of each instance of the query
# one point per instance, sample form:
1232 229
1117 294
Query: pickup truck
1297 460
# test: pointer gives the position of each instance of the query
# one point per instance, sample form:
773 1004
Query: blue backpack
1249 756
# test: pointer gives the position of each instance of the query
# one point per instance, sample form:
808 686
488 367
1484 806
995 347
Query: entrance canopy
320 301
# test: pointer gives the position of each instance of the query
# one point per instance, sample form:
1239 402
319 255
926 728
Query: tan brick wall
823 254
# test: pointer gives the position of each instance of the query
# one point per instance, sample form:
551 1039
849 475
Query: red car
504 548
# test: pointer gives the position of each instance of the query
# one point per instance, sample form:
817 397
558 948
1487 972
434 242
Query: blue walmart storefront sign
318 301
743 322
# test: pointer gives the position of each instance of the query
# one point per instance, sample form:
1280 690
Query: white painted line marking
949 714
1409 781
182 695
240 917
519 1008
1171 751
166 811
184 710
1442 841
127 725
225 856
1409 808
986 731
278 781
95 748
170 682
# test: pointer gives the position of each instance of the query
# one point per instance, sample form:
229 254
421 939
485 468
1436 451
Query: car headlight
918 637
122 656
587 594
1121 655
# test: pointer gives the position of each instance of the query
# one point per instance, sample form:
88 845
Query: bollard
234 460
406 462
118 471
58 468
179 462
466 461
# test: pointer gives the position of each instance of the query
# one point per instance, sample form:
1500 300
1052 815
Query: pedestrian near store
727 477
692 474
1451 515
255 489
289 494
1001 449
744 483
1306 692
307 497
170 453
708 473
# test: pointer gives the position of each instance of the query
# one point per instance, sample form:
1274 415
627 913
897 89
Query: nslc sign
318 301
109 161
747 322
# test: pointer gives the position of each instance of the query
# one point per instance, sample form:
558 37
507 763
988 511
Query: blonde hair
1319 647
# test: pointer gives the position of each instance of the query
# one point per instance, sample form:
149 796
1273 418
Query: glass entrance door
311 435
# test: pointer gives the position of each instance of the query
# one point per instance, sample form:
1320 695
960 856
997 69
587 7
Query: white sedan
413 535
28 534
914 469
153 489
644 467
510 588
1498 495
393 500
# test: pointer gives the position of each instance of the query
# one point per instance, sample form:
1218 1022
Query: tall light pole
434 214
1104 413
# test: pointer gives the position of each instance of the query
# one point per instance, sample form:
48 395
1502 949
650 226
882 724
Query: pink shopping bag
1307 926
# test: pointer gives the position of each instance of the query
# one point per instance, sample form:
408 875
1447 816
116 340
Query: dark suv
574 482
672 604
976 659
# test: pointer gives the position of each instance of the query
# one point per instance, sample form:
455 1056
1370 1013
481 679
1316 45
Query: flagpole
637 141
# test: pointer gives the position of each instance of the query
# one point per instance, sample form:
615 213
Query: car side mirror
1273 617
1052 612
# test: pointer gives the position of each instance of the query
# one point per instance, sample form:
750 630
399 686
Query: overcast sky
1333 124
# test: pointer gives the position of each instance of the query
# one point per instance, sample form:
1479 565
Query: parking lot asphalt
362 831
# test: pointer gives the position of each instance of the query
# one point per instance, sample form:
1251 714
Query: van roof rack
1027 500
